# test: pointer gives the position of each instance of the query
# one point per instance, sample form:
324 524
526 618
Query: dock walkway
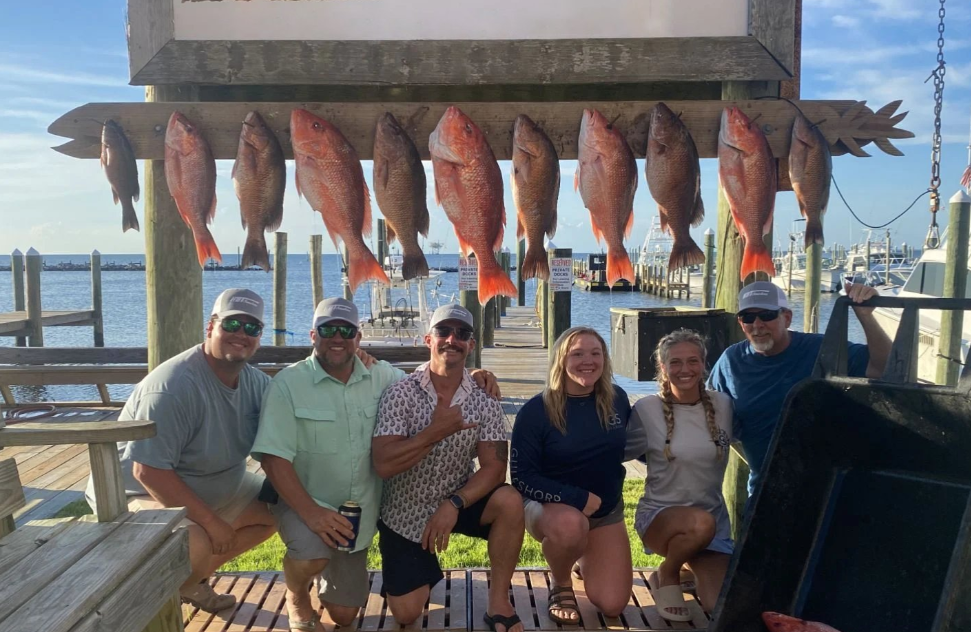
18 324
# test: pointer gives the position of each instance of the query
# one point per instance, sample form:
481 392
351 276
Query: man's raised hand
447 420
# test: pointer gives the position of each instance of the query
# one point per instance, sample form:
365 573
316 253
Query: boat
830 279
656 251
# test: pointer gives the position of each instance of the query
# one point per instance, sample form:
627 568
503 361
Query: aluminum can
352 511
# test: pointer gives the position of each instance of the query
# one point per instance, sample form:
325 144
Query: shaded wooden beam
468 62
151 25
843 123
772 23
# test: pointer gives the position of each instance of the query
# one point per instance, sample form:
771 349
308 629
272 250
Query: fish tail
685 252
535 264
128 217
814 230
206 247
618 266
493 281
254 252
756 258
414 265
361 266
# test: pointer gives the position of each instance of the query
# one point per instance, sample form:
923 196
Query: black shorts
406 566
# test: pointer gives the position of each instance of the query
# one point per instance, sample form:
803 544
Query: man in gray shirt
205 403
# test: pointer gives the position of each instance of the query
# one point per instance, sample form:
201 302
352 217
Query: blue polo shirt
759 384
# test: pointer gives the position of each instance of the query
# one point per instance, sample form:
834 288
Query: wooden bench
100 366
86 576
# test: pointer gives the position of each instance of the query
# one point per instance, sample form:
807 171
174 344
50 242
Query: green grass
462 552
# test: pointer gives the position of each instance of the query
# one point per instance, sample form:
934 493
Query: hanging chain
938 76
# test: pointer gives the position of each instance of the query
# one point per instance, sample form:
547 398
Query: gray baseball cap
238 301
331 309
762 295
452 312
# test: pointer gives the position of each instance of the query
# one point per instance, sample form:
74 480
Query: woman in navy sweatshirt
567 462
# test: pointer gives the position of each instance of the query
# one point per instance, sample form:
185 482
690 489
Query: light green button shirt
324 428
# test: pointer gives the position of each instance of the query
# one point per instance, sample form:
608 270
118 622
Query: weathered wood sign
847 125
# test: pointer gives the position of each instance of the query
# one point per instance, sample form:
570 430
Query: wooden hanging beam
847 125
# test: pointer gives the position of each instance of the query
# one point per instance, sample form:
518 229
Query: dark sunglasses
329 331
443 331
232 325
766 316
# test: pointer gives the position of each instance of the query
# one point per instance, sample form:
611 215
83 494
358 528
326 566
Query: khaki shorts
248 490
532 509
344 581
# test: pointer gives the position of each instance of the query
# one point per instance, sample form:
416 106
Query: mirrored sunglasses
232 325
329 331
443 331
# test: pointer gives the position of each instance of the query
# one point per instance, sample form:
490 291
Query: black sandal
563 598
501 619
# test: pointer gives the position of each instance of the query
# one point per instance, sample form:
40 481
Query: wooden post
348 294
382 242
34 310
98 325
17 267
470 301
560 303
280 289
955 278
488 324
543 300
520 282
814 273
316 271
867 257
109 487
506 265
706 282
886 276
173 277
792 248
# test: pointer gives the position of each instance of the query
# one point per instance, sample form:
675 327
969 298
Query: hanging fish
776 622
118 161
606 177
330 176
259 177
400 189
810 171
468 185
674 179
747 172
190 172
535 188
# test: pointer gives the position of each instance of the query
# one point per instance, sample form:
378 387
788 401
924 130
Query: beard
763 346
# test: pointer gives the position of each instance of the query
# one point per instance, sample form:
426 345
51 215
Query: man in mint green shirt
314 442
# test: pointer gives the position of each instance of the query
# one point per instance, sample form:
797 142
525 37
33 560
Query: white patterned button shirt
410 498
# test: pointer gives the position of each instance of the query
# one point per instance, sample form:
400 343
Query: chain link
938 76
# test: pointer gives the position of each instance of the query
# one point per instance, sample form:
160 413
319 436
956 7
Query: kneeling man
431 426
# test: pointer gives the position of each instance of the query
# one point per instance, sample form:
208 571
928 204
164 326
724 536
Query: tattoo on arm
502 450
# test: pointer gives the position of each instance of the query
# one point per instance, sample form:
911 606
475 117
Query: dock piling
34 311
706 282
955 278
560 303
96 302
19 305
470 301
520 282
280 289
316 271
814 274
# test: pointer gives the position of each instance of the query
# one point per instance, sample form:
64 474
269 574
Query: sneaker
202 596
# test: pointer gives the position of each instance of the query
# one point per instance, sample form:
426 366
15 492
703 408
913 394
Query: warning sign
468 274
561 274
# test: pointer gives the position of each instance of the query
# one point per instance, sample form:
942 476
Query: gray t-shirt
205 430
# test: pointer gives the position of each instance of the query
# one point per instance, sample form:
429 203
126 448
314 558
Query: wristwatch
457 501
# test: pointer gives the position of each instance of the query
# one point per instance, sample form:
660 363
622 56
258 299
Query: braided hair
667 395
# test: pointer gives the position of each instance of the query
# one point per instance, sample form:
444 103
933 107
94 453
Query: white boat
830 279
392 265
926 280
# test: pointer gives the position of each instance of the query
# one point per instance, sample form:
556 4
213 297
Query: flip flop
688 582
500 619
668 597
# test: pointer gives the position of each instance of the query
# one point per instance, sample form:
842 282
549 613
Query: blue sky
877 50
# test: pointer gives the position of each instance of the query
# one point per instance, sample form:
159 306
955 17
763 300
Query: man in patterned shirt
430 428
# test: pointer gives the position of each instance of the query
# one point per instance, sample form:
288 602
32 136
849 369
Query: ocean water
125 311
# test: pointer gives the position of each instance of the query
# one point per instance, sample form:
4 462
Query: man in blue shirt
758 373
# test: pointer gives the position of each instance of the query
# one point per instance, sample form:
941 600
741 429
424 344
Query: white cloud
845 21
901 9
36 75
40 117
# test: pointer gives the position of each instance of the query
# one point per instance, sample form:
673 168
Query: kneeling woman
685 432
567 462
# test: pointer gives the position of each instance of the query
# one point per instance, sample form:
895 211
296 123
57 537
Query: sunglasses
232 325
766 316
461 333
329 331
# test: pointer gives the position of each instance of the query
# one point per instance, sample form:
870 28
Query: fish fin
296 181
138 191
276 218
698 213
519 209
361 266
768 222
814 230
629 227
254 251
414 265
128 217
114 196
464 246
685 252
618 266
597 233
438 196
576 178
389 233
423 219
366 230
206 247
497 244
662 214
535 263
493 280
520 231
381 174
756 258
212 209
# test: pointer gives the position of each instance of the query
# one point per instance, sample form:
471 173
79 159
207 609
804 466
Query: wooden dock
18 324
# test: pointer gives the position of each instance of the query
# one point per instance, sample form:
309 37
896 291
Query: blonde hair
554 395
661 355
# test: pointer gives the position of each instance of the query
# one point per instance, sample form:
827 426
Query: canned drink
352 511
